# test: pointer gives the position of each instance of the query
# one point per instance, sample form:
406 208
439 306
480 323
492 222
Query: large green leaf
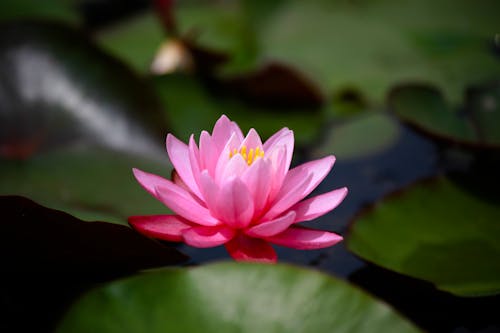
475 124
89 184
434 231
231 297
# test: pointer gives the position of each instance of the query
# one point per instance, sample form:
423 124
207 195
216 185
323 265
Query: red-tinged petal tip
208 236
165 227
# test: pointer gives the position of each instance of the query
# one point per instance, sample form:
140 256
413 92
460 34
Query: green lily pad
231 297
191 108
437 232
476 124
89 184
360 136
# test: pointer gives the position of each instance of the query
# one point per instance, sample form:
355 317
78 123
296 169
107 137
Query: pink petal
221 133
234 168
305 239
295 189
276 137
237 131
178 200
319 205
235 204
149 181
271 228
258 181
208 153
279 170
223 158
286 199
252 140
178 153
210 191
208 236
282 138
176 179
166 227
194 155
244 248
194 159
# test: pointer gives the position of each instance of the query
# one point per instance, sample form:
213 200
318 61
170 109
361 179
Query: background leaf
475 124
437 232
368 45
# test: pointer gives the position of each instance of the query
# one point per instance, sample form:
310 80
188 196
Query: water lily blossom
236 191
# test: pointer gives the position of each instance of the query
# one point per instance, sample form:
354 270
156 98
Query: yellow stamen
252 156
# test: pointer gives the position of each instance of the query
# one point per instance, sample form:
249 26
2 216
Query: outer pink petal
150 181
235 204
282 138
208 236
178 153
178 200
319 205
252 140
258 180
166 227
244 248
271 228
305 239
295 189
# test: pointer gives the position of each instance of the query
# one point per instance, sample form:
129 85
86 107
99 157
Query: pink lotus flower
237 191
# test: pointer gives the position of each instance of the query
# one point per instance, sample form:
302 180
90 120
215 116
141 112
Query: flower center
251 156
